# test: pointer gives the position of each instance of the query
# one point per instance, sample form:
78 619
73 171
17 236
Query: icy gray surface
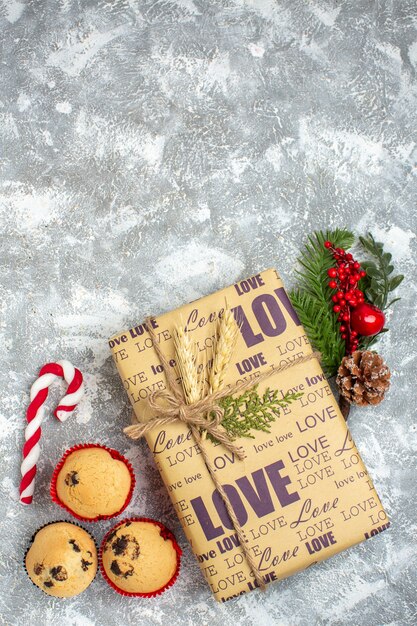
153 152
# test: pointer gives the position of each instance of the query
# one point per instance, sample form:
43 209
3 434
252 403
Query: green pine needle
312 299
250 411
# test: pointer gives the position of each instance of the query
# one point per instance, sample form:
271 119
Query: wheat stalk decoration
186 360
226 341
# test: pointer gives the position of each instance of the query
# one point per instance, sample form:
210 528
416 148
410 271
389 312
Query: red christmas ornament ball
366 319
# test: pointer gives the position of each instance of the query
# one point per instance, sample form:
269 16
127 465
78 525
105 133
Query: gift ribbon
205 414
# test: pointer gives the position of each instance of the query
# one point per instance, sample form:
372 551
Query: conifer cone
363 378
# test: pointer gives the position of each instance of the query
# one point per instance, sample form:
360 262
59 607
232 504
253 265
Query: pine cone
363 378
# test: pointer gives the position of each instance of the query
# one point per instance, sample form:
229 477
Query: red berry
342 302
332 284
344 335
336 308
356 265
332 272
353 302
345 317
342 328
348 295
335 298
328 244
340 251
353 333
339 295
362 273
352 281
349 257
367 319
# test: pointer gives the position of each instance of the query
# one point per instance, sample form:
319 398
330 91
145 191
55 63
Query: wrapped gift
302 494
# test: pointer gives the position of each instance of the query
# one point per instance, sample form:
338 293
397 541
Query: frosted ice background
153 152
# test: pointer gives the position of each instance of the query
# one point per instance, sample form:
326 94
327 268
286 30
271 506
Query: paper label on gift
302 493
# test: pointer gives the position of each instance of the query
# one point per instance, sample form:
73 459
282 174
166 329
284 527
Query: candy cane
36 413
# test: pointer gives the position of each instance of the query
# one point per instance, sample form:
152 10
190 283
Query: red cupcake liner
166 534
32 539
115 455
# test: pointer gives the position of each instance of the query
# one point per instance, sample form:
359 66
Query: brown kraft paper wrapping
303 493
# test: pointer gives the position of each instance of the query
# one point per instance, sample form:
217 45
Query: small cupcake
140 557
62 559
93 482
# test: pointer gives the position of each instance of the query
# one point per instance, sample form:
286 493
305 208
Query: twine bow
204 415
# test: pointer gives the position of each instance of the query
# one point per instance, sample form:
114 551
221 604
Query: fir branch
316 260
312 298
378 282
250 411
321 328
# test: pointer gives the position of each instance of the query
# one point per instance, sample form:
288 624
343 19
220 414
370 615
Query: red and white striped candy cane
36 413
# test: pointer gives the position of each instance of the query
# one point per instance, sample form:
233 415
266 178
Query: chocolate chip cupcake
93 482
62 559
140 557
